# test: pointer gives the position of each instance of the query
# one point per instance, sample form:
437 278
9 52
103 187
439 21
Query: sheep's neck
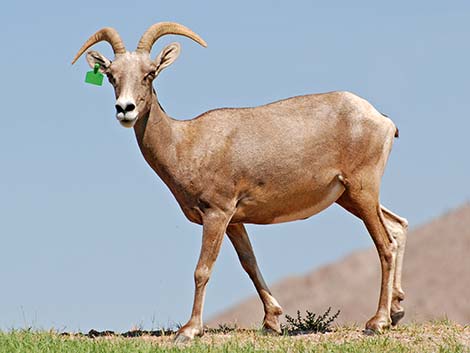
155 133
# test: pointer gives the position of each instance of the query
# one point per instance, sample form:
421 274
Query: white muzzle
126 112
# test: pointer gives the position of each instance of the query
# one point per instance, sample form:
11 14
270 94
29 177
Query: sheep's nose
124 107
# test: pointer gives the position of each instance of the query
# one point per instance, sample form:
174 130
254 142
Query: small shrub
310 324
223 329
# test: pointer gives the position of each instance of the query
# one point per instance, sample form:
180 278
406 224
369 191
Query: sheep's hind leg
397 227
239 238
365 205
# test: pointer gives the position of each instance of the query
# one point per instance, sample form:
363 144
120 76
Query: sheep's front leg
214 226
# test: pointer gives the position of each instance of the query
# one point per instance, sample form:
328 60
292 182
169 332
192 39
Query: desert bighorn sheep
279 162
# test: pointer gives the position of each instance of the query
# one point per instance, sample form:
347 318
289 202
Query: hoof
182 339
272 326
376 325
397 317
370 332
270 331
187 333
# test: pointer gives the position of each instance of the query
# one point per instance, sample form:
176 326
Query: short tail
397 132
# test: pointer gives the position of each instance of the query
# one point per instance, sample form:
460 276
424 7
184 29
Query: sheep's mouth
128 123
127 119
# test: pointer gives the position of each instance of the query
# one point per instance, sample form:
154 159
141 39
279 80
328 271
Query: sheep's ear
167 56
93 57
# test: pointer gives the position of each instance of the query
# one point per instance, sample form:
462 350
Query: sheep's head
132 73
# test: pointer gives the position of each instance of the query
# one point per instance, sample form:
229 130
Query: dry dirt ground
436 336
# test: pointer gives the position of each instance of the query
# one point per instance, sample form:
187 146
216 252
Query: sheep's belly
330 197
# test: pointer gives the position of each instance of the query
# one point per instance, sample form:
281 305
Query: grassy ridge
442 336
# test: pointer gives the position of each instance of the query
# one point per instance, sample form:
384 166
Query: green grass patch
440 336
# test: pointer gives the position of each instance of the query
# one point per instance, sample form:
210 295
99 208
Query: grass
439 336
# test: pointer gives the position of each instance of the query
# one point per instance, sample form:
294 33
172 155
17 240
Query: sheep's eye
150 75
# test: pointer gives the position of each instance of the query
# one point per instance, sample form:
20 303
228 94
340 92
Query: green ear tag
94 77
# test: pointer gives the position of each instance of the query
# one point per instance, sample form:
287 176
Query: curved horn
160 29
107 34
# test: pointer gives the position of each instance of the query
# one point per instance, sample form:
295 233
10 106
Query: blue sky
91 238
